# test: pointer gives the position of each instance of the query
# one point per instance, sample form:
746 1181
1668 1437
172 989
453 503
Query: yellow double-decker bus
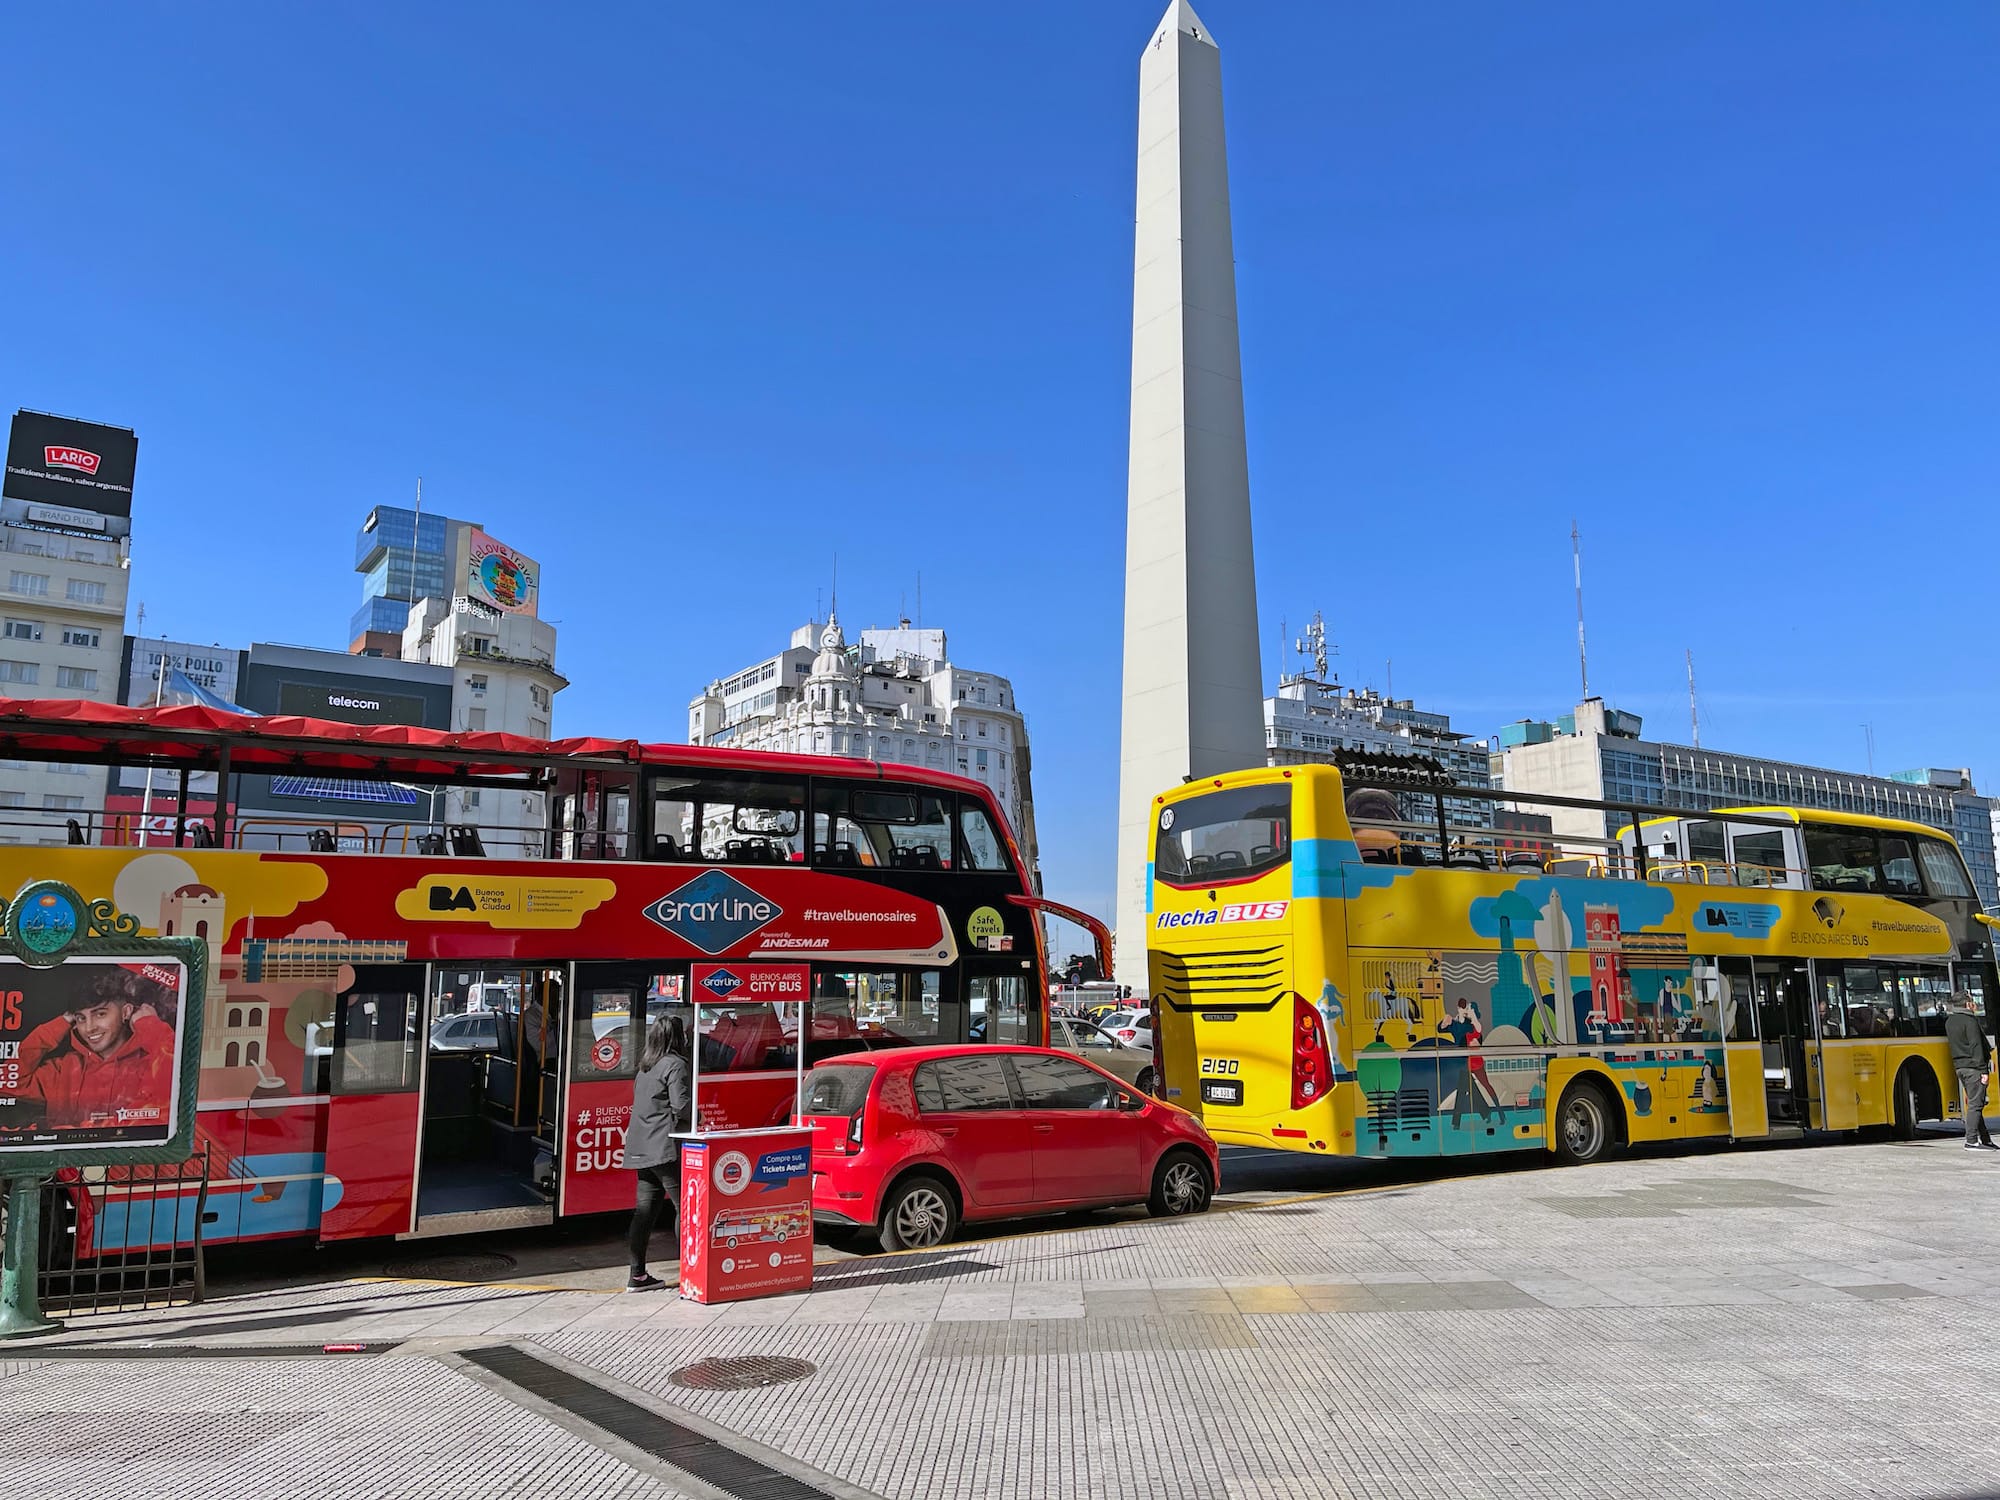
1332 974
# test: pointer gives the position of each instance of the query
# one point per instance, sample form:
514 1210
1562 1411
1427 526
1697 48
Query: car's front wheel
918 1214
1181 1185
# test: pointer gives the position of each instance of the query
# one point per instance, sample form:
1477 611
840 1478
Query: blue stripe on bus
1331 869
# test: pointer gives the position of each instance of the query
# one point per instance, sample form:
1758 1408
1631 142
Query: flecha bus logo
80 459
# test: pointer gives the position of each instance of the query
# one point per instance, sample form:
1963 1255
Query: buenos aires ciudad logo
714 911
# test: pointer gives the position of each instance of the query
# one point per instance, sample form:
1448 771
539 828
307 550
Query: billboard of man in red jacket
102 1068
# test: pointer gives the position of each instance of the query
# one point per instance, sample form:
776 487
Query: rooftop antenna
1869 731
1389 675
1313 644
920 598
415 527
1694 713
1576 556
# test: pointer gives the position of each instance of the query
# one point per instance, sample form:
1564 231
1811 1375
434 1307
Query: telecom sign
714 911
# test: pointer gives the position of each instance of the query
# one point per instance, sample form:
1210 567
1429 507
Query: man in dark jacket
1970 1055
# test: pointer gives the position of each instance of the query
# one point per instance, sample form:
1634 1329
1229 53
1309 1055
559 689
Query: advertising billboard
497 575
349 703
90 1051
63 462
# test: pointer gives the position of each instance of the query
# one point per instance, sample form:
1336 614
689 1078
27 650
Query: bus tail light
1159 1056
1312 1067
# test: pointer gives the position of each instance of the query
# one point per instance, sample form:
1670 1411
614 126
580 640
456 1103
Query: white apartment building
894 696
62 614
504 679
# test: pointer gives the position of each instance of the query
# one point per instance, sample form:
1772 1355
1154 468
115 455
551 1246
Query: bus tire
1583 1128
1181 1185
1908 1110
1144 1082
920 1212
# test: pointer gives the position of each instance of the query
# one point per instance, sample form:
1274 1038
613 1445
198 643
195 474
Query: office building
895 696
1597 753
284 811
66 530
402 556
502 657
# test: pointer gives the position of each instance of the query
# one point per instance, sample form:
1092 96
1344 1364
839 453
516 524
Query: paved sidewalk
1799 1322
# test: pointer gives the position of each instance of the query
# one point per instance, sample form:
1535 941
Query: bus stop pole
20 1263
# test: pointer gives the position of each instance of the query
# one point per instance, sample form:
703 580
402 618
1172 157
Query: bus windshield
1226 835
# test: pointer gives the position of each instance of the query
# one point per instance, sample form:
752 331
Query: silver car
1068 1034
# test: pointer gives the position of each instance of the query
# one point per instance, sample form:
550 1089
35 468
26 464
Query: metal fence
122 1238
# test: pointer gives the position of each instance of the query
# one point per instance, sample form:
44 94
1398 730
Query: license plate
1221 1091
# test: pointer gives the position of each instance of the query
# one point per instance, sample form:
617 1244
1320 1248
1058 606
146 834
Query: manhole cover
484 1266
744 1373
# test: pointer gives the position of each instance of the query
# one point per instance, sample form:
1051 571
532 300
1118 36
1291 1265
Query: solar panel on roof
342 789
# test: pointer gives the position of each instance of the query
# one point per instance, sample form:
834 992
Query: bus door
1743 1052
375 1079
492 1094
1784 1026
1835 1100
1002 1004
607 1031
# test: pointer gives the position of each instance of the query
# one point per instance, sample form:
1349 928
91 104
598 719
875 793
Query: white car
1134 1028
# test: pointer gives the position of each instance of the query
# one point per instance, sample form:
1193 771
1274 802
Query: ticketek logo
722 984
714 911
80 459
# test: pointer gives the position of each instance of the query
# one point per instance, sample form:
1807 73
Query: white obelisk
1193 678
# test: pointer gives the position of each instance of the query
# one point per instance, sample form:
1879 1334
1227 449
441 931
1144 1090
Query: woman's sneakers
644 1281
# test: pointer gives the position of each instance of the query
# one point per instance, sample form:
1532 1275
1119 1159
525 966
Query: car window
1088 1037
838 1090
484 1028
963 1084
1058 1083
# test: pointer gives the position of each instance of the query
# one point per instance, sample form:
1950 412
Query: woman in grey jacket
662 1097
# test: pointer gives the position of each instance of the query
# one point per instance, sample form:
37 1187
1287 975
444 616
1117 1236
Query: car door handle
947 1130
1045 1130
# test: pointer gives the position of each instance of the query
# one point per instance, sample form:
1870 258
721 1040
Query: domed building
892 696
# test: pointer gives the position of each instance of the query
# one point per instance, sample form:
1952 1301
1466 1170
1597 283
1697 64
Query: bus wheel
1181 1186
1583 1124
1907 1108
919 1213
1144 1082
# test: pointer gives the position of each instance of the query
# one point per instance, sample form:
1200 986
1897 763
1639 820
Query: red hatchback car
915 1141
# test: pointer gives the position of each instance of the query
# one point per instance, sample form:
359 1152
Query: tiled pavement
1801 1322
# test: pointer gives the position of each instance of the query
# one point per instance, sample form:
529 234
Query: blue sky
683 301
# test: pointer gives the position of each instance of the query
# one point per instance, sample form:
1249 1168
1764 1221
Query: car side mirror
1131 1103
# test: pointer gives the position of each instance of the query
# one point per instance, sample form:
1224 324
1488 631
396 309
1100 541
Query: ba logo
444 898
714 911
722 984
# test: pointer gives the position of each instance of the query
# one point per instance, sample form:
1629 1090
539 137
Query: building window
76 635
476 683
981 761
82 591
539 695
24 630
84 679
13 799
61 802
29 583
19 671
982 729
472 799
479 645
475 718
538 729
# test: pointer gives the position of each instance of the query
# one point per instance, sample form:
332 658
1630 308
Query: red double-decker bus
406 1035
